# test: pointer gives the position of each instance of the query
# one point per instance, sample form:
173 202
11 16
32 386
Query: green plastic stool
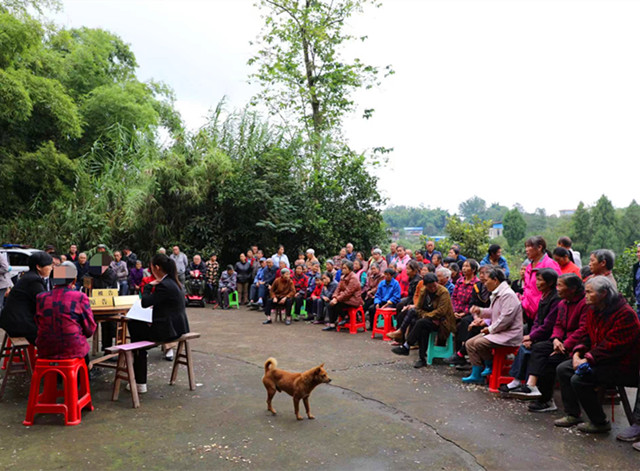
233 300
434 351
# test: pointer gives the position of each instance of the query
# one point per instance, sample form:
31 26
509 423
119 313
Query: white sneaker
169 355
142 388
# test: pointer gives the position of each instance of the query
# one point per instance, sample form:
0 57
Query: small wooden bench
19 349
124 368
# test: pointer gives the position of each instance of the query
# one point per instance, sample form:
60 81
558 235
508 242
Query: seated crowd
565 321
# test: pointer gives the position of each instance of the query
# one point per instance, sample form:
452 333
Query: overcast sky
532 102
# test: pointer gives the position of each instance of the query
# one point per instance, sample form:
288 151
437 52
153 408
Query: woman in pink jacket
536 248
505 329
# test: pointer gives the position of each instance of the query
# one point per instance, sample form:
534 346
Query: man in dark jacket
17 317
129 258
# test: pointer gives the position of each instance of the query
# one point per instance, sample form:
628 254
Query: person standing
122 273
280 256
72 256
181 262
129 258
243 271
5 277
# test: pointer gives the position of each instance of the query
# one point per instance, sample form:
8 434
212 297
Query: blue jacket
388 292
450 286
269 274
502 263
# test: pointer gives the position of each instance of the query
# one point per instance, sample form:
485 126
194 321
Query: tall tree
581 228
514 227
474 206
630 224
472 235
604 224
304 77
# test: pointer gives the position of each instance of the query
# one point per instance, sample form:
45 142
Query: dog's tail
271 362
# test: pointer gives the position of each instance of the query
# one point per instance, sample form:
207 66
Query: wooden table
109 314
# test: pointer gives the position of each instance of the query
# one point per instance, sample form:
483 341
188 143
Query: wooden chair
19 350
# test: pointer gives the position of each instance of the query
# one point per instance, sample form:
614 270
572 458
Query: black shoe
456 360
421 363
329 328
268 321
503 388
401 350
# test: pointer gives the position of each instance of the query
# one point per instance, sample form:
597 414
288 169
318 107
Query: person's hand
275 300
526 343
525 338
474 310
154 282
577 361
459 315
558 347
485 331
333 302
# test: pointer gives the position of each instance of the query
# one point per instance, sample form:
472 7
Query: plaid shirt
300 284
462 293
64 321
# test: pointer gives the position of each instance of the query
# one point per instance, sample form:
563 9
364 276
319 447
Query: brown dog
298 385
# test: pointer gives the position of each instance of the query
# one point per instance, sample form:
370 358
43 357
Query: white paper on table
139 313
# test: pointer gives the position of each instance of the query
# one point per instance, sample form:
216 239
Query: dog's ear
321 366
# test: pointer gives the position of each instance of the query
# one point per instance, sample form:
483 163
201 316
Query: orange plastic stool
501 366
72 371
387 316
353 325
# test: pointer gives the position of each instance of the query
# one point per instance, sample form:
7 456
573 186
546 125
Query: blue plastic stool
434 351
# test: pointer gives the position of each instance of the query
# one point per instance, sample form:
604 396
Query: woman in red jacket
346 296
609 354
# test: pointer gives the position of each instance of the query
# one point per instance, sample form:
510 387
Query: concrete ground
378 413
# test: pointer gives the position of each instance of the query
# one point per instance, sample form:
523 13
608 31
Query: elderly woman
567 332
136 275
281 294
121 270
64 318
505 329
609 354
17 317
346 296
546 281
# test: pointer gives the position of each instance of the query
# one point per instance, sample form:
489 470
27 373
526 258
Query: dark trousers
336 310
420 334
211 292
409 318
139 331
580 391
299 300
269 304
317 309
462 331
108 330
470 334
543 365
403 302
223 297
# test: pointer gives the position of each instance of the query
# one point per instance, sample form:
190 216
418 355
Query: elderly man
82 267
431 250
435 313
197 264
391 256
281 295
601 263
609 354
351 255
181 262
387 295
311 258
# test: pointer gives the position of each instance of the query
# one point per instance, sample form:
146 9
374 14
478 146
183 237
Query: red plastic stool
353 323
46 402
501 366
387 316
